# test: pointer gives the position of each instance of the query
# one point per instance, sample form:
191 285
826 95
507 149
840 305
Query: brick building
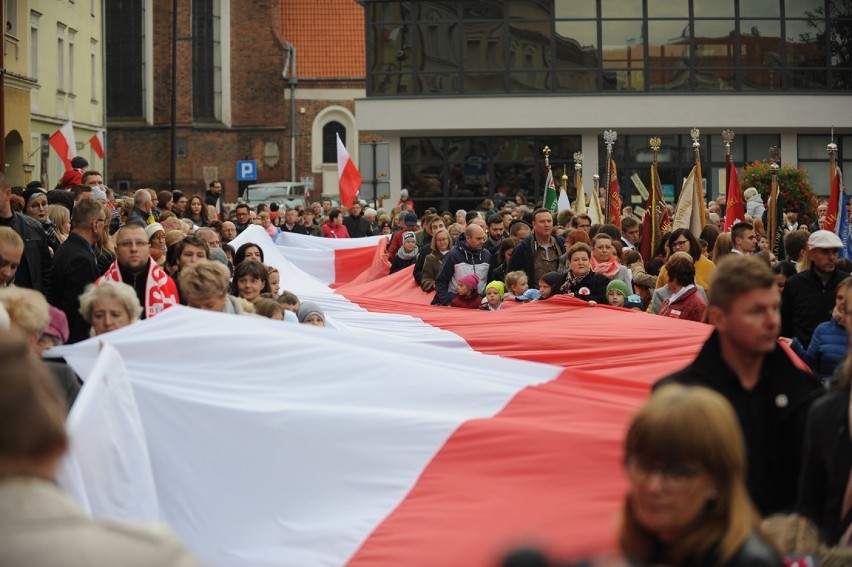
267 80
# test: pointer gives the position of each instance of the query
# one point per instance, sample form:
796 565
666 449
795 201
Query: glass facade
451 173
535 47
813 158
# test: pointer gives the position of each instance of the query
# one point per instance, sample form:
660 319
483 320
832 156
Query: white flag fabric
564 202
687 213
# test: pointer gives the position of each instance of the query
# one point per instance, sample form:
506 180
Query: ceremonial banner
656 220
564 202
580 203
687 213
614 196
550 197
735 211
835 203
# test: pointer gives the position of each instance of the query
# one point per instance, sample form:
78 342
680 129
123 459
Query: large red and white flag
97 143
348 175
64 143
394 436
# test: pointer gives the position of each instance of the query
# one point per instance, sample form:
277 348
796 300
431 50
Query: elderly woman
684 302
157 242
682 240
688 503
441 244
580 281
109 306
205 284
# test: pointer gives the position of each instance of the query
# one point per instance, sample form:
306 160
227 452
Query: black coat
523 257
772 417
806 302
74 267
827 460
36 268
358 227
591 288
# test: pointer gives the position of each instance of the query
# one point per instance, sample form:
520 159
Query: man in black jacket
539 252
808 297
743 361
36 267
75 265
355 223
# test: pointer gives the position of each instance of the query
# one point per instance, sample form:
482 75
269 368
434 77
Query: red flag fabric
64 143
656 220
348 175
736 209
97 143
834 204
614 196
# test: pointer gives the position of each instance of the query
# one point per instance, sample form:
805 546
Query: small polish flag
347 173
63 142
97 143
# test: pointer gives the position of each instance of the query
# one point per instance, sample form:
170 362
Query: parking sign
247 170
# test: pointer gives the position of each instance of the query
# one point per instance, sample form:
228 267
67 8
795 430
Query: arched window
329 141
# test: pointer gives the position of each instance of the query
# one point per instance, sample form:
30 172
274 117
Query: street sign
247 170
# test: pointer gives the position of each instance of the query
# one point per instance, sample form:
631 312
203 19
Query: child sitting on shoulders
494 293
467 295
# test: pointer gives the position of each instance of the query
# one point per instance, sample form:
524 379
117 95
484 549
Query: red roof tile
328 36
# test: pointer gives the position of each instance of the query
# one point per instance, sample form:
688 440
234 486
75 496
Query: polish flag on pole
347 173
64 143
97 143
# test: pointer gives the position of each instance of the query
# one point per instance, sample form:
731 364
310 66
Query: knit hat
410 219
408 235
219 255
79 162
384 224
403 194
153 229
499 286
470 280
33 192
99 194
308 308
618 286
58 326
634 302
554 280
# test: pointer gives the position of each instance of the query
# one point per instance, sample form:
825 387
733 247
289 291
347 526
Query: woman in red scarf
606 263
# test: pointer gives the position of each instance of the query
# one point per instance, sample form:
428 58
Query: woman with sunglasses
35 206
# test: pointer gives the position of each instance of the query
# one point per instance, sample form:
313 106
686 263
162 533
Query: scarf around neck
608 268
160 290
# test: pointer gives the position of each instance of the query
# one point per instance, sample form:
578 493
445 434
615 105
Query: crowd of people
78 261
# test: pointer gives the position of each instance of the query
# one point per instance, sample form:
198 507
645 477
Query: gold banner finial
727 137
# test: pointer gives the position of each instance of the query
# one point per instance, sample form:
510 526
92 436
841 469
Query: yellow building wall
16 93
68 67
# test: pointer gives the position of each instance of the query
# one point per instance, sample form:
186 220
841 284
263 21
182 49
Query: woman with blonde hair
60 216
109 306
724 245
688 503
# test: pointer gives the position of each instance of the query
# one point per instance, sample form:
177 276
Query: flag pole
727 137
656 144
546 151
596 183
695 134
831 150
775 158
580 193
609 136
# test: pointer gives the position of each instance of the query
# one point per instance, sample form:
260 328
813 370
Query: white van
289 194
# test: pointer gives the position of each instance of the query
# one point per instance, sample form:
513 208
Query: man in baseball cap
808 298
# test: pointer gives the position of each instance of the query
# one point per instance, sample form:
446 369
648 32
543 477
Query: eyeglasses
679 243
133 244
675 476
38 206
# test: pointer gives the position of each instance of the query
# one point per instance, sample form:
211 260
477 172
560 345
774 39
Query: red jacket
331 230
689 306
469 302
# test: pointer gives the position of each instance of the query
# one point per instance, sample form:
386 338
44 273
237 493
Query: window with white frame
93 69
34 27
72 39
60 58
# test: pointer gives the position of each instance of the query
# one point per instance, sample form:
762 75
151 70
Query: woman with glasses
688 504
682 240
35 206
